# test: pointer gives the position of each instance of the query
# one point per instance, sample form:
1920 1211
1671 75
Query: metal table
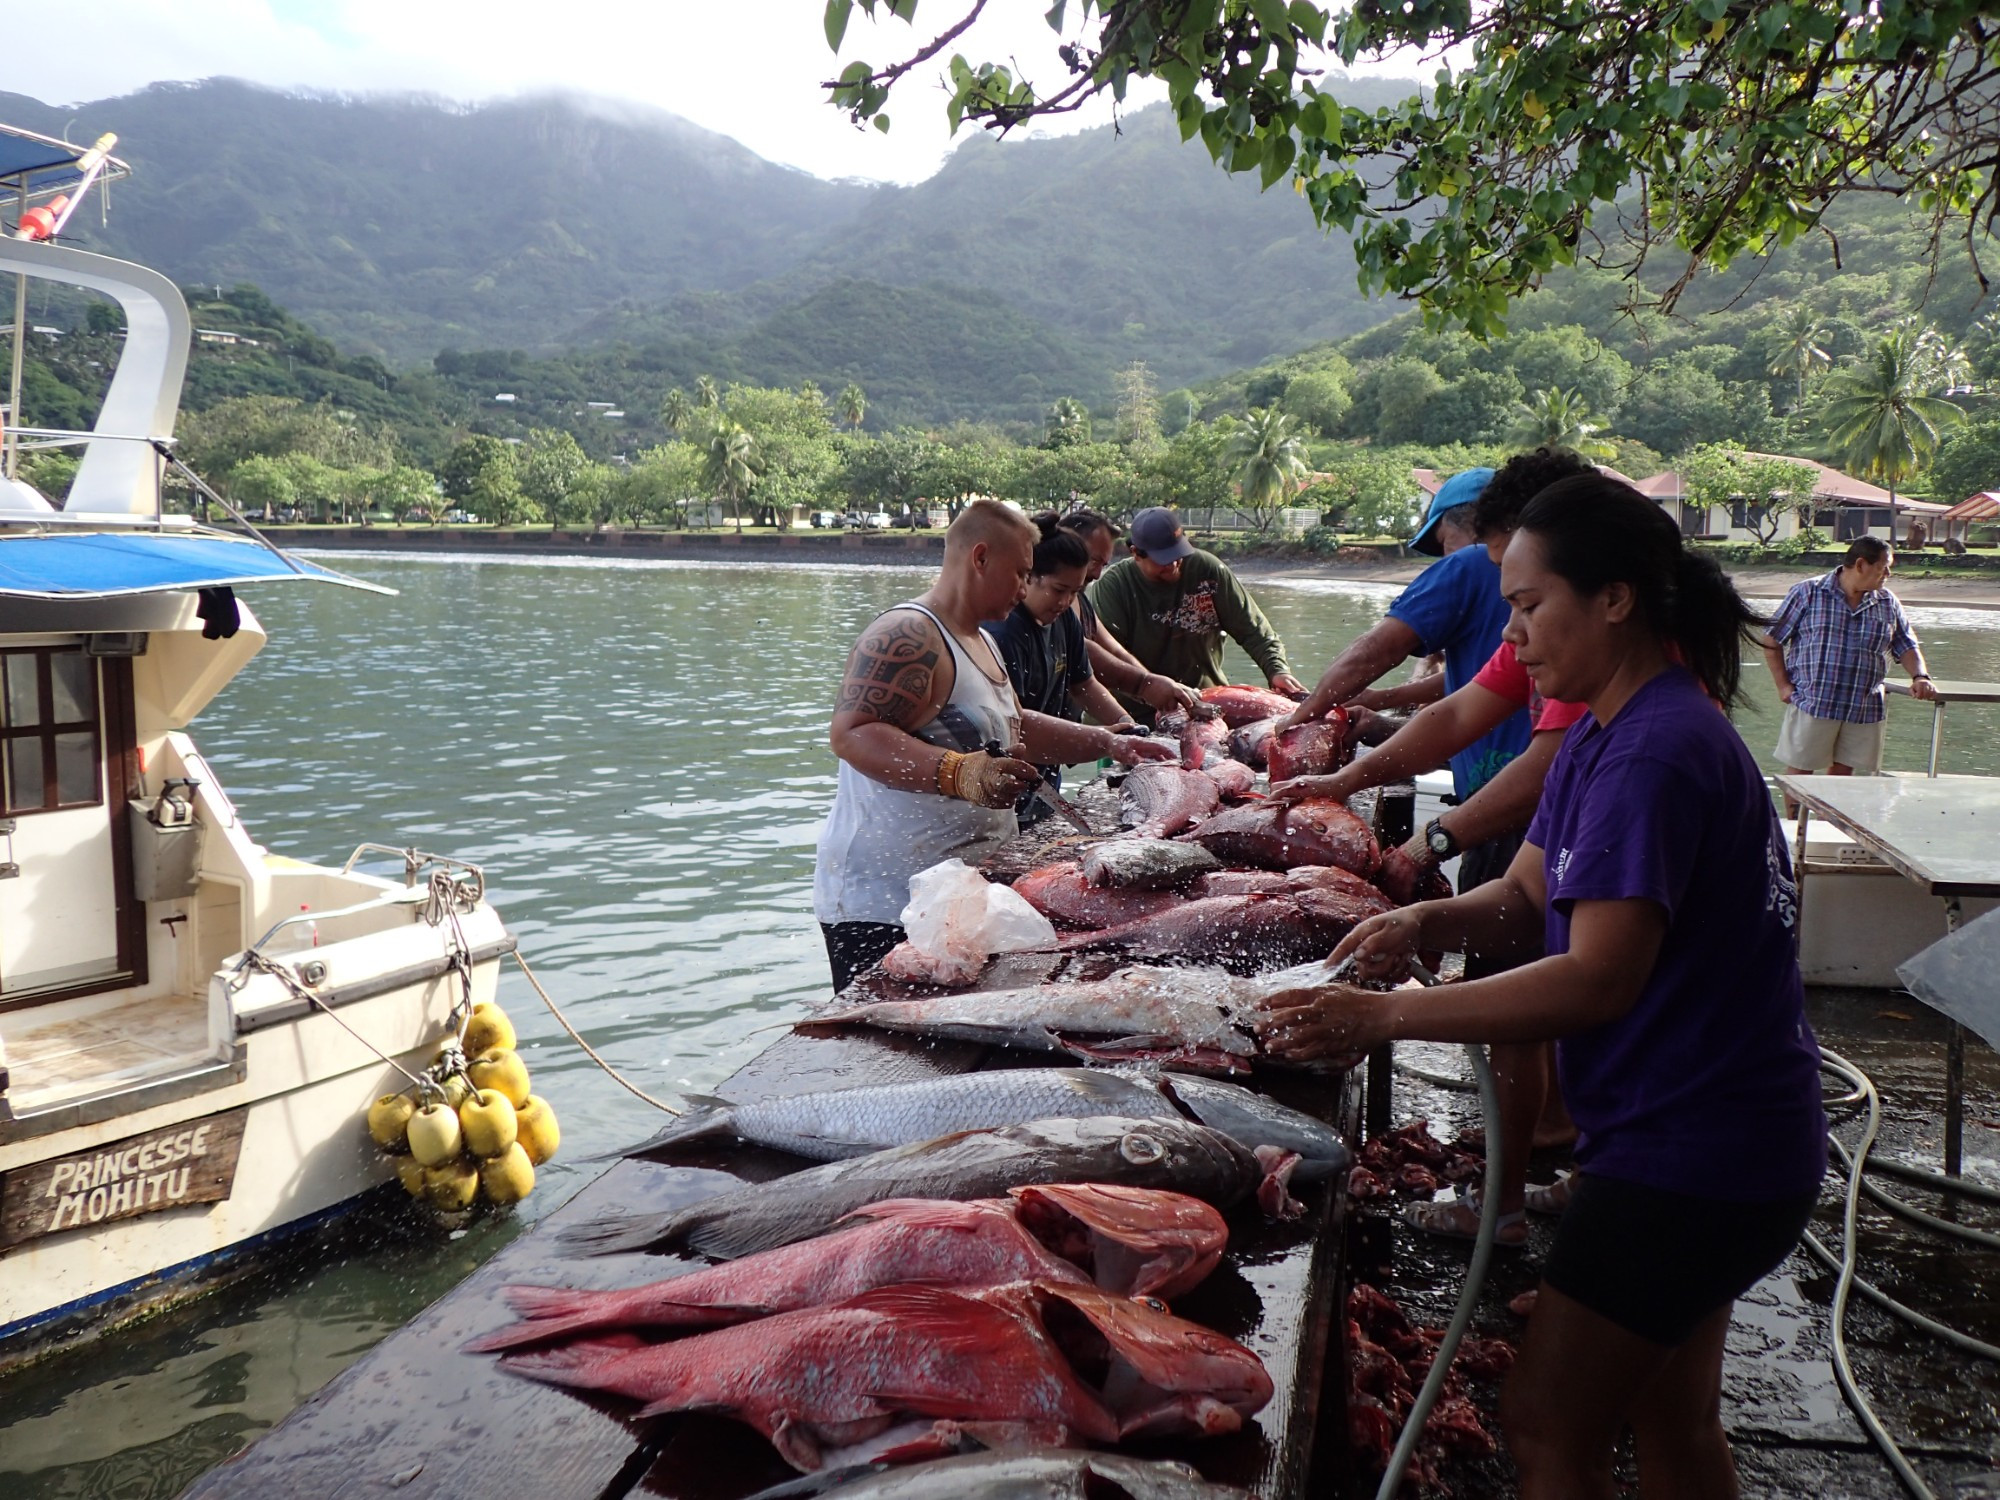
1949 691
1941 833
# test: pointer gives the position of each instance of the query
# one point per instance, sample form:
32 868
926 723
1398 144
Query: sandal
1457 1218
1549 1198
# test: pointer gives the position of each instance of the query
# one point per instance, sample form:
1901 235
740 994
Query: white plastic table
1940 832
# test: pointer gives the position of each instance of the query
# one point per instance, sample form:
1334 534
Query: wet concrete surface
1792 1432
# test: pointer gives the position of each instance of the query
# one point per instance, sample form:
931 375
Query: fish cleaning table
1942 833
416 1417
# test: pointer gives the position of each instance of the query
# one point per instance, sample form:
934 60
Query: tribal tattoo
890 674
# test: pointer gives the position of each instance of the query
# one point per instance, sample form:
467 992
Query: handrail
416 860
405 897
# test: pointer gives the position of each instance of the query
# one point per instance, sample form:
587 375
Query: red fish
824 1379
1318 831
1251 743
1254 932
1311 749
1137 1241
1062 894
1161 1375
1162 800
1236 781
1246 705
1202 740
1368 900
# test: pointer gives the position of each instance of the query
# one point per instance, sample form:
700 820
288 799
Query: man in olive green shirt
1170 605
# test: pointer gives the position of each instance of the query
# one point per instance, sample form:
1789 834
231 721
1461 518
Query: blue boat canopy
97 565
42 164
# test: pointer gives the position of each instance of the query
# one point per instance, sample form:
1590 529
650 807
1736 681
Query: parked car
461 518
418 513
823 520
875 520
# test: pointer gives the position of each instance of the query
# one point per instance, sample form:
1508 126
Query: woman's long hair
1059 547
1596 531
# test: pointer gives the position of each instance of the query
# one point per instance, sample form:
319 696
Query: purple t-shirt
1710 1084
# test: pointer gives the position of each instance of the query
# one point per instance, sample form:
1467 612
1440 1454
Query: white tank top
878 836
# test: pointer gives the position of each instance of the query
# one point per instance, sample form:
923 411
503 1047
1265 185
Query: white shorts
1809 744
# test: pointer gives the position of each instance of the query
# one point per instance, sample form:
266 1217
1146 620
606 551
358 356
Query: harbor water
636 752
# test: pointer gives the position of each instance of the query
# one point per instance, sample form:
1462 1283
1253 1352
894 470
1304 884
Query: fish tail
706 1116
624 1235
549 1312
589 1364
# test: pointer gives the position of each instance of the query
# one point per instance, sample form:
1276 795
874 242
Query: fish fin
930 1213
1273 1193
581 1364
547 1312
706 1116
1012 1437
627 1234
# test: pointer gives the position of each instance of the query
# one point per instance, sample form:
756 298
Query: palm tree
1885 414
1556 418
706 396
1801 348
852 403
1068 422
677 410
731 466
1269 460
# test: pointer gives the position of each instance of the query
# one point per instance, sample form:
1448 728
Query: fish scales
1044 1474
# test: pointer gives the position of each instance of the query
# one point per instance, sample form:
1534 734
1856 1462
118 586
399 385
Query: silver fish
834 1124
1177 1155
1145 864
1036 1474
1182 1016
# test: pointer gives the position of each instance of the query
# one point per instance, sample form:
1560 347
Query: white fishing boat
192 1027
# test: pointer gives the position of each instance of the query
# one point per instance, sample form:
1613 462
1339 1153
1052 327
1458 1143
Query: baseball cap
1157 533
1462 488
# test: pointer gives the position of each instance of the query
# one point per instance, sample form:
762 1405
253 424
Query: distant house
600 405
612 414
1958 521
222 336
1427 481
506 398
1843 507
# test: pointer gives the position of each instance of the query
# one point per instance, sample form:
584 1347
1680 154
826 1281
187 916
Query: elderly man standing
1170 604
1826 648
934 748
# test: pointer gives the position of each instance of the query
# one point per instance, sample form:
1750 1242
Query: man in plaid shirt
1825 647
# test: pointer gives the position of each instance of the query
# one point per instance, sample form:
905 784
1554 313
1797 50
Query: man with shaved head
934 749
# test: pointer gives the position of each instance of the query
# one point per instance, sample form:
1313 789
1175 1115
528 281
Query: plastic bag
956 920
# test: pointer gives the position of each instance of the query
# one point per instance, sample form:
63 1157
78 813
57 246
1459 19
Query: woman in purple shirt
1657 875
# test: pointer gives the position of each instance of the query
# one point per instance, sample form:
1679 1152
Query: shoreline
1967 588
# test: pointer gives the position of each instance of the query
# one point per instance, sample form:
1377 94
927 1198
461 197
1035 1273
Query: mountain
400 227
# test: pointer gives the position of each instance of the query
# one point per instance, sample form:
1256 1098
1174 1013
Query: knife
1045 791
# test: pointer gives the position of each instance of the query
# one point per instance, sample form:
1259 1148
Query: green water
636 752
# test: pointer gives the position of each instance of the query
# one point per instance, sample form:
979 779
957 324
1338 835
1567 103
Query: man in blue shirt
1454 607
1826 648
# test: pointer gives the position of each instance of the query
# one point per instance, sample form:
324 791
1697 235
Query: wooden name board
194 1162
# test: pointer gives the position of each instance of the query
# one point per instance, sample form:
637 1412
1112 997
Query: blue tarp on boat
100 566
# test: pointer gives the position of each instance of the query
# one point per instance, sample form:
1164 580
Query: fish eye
1155 1303
1141 1150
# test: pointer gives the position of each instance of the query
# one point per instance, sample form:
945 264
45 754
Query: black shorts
1476 866
1657 1263
852 947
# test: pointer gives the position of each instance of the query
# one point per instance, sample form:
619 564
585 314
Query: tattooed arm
897 676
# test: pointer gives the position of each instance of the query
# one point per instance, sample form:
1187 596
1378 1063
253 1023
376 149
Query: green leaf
882 123
1274 17
1278 154
1055 15
837 12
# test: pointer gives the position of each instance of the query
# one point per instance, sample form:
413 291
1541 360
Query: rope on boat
588 1051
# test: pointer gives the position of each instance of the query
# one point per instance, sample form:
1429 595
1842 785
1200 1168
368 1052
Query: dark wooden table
416 1418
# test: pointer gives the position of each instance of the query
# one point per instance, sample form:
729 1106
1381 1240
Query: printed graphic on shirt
1781 893
1562 865
1195 612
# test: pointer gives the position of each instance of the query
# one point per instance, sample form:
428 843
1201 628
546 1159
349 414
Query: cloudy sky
750 69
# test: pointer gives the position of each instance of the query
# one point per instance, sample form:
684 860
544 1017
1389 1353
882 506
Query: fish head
1133 1241
1155 1371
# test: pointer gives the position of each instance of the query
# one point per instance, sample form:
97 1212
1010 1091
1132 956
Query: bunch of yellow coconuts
476 1132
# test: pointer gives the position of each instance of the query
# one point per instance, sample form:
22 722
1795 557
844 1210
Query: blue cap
1462 488
1157 533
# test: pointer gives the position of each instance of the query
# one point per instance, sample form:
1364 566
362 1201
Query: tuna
1160 800
1173 1155
1146 864
1251 743
900 1366
1232 778
1311 749
1137 1242
1201 740
1249 933
1318 831
1035 1474
1246 705
1063 894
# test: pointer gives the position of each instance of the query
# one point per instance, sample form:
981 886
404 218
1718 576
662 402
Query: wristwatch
1438 839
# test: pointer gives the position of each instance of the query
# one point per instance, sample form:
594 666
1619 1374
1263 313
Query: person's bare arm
1506 804
1051 741
1415 693
1425 743
1366 658
1095 699
896 677
1774 658
1912 661
1123 672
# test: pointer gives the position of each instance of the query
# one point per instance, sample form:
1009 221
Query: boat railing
469 879
310 919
